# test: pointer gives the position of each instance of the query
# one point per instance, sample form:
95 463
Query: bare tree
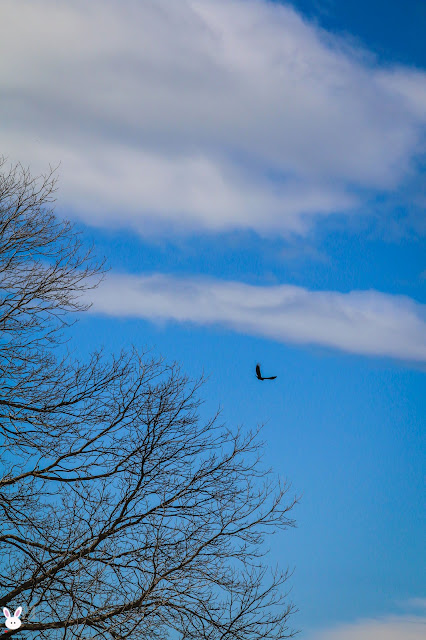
122 512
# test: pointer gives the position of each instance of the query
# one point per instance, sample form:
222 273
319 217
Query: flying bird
259 375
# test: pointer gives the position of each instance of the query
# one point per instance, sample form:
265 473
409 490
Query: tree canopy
123 513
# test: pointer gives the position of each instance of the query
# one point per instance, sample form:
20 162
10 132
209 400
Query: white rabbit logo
12 622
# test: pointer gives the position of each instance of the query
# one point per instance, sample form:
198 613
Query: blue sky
254 173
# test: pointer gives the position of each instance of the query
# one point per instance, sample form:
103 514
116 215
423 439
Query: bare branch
124 511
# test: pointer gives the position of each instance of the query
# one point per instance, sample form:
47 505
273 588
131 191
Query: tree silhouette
123 513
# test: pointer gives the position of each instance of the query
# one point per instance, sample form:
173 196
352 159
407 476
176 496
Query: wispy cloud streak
386 628
363 322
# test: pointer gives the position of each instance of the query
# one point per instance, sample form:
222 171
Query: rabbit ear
18 612
6 612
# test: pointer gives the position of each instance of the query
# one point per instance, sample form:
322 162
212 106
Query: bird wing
259 375
270 378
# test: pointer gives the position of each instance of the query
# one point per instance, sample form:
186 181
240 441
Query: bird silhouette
259 375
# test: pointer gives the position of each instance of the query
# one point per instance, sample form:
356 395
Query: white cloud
389 628
174 115
364 322
415 603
